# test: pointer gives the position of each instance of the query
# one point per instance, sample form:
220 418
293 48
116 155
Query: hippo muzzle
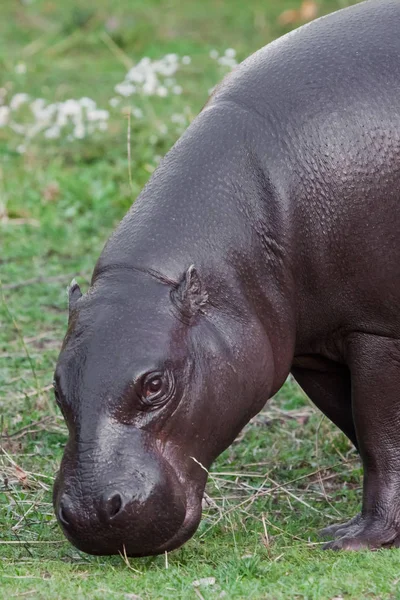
122 499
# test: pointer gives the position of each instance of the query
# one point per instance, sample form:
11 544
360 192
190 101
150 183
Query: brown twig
27 429
38 392
42 279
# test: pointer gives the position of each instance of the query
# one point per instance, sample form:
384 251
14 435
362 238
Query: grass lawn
64 184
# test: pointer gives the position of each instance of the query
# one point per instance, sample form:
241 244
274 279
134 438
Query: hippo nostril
62 515
113 505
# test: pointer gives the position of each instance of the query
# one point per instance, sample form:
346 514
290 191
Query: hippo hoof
340 529
363 533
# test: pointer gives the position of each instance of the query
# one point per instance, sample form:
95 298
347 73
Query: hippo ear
74 293
190 296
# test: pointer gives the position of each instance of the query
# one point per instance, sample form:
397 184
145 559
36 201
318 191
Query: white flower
135 75
21 148
177 90
149 88
186 60
151 77
47 113
20 68
162 91
17 128
226 61
4 115
125 89
71 107
114 102
18 100
137 113
79 131
163 129
177 118
37 105
230 53
214 54
62 119
87 103
97 115
166 68
52 133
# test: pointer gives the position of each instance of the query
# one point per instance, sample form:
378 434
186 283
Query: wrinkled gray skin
284 194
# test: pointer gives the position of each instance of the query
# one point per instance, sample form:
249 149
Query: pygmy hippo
266 242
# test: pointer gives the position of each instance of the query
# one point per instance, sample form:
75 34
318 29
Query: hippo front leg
375 373
328 386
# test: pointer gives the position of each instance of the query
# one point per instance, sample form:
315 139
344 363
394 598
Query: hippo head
155 379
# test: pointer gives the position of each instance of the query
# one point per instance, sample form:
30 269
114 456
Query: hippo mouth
112 540
129 519
186 530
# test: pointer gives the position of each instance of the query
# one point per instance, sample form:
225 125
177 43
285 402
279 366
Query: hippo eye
156 388
153 386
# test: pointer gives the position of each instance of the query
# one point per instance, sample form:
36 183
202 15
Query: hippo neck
210 203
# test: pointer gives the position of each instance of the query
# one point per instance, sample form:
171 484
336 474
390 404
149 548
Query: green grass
290 472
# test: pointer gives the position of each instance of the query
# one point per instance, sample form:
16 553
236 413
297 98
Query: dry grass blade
31 393
116 50
13 474
299 499
31 542
125 558
43 279
198 593
41 424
